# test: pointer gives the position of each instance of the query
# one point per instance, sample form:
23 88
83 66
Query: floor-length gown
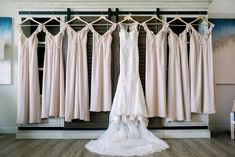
178 77
53 75
127 133
101 87
201 72
77 92
155 77
28 107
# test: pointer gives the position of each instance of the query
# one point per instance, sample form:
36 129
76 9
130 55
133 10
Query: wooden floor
220 145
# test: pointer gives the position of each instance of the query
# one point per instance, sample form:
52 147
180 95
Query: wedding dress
127 133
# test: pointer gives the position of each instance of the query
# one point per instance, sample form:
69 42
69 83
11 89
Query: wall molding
94 134
122 4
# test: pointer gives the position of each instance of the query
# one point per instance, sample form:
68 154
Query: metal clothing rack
111 13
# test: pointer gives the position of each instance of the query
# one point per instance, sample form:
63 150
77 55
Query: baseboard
194 133
8 130
94 134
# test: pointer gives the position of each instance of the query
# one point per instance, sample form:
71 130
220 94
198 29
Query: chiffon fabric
101 87
28 107
201 71
155 78
127 134
77 92
178 97
53 75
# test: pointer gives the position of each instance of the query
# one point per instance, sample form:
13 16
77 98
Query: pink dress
155 78
201 72
28 106
77 94
101 89
178 77
53 76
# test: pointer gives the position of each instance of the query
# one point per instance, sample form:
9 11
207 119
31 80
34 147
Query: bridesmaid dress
76 95
155 78
201 72
28 108
53 75
101 89
178 77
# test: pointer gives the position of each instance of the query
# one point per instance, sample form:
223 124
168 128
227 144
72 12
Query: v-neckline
54 36
31 34
108 31
176 35
155 35
130 32
205 36
77 31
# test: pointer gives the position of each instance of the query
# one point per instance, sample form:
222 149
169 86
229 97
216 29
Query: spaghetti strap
110 30
62 29
164 27
145 27
38 29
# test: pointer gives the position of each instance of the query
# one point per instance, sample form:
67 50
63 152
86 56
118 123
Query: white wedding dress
127 134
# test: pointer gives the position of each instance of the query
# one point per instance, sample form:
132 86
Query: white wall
225 93
8 93
222 9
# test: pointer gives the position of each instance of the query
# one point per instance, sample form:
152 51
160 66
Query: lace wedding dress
127 133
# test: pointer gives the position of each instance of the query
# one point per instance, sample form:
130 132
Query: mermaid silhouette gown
127 133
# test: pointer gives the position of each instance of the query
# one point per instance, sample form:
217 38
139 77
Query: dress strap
211 27
70 29
62 29
188 27
125 26
111 29
145 26
38 29
165 27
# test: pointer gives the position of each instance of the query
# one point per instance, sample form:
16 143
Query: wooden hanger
154 17
77 18
201 18
51 19
128 18
178 18
29 18
102 18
